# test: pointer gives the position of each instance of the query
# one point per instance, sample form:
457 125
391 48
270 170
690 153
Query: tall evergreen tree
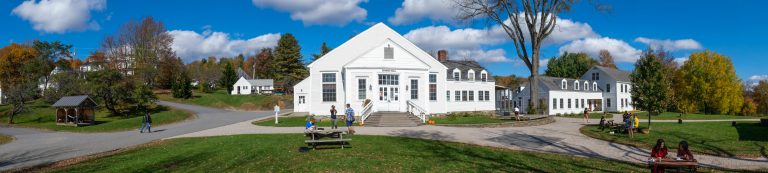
569 65
288 65
649 85
181 86
229 77
324 49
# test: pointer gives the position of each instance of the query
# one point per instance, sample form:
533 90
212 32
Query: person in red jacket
659 152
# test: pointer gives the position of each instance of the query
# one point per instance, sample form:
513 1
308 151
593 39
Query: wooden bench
691 166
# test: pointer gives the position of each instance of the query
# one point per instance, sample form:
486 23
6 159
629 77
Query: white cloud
319 12
758 77
543 62
681 60
565 30
620 50
415 10
479 55
190 45
60 16
670 45
442 37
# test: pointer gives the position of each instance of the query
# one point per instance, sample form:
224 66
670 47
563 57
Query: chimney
442 55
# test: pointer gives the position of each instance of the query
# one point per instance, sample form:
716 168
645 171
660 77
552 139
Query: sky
228 28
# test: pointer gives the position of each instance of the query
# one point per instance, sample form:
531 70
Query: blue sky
226 28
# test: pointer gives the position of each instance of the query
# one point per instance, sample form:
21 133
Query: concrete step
392 119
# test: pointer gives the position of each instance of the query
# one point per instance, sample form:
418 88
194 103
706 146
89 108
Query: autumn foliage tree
708 84
606 60
760 95
19 74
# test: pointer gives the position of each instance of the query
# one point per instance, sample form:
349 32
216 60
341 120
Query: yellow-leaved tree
708 84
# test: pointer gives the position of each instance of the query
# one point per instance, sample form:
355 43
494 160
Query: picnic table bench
691 166
332 136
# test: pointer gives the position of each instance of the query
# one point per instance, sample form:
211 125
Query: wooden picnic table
678 164
333 136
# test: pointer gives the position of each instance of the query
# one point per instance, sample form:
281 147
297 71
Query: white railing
421 112
366 112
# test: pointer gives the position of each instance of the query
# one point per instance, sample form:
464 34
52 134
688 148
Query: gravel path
33 147
563 137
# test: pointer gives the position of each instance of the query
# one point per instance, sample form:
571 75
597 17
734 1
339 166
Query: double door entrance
389 92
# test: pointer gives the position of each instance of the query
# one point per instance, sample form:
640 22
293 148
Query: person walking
517 113
586 115
350 115
146 123
333 117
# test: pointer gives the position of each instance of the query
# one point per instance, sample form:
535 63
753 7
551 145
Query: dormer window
484 76
389 52
456 74
563 84
586 86
594 86
471 75
575 85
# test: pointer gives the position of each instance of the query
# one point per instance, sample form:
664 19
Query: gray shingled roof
554 84
464 67
261 82
242 73
616 74
74 101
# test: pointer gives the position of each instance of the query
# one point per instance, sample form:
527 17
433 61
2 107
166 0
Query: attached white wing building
381 65
599 89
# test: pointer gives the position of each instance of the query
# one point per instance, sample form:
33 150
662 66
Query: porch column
66 115
77 116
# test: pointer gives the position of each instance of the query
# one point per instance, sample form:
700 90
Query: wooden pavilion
75 111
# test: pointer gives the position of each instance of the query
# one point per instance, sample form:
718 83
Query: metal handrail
422 112
366 112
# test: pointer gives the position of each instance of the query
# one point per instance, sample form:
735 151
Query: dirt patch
249 106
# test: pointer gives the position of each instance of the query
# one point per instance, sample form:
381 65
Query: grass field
296 122
41 115
280 153
220 99
712 138
5 139
675 116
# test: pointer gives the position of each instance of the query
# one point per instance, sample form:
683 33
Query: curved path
562 137
33 147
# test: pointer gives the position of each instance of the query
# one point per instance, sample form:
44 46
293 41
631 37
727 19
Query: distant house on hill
245 86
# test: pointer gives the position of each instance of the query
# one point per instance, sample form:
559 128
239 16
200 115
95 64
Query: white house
381 65
245 86
595 91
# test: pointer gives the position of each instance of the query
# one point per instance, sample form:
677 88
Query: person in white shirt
517 113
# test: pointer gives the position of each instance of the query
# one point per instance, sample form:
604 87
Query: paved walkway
32 147
562 137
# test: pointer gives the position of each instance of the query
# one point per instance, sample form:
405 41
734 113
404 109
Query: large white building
381 65
599 89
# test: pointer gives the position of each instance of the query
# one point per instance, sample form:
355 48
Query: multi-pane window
608 102
607 87
575 85
487 95
577 103
414 89
389 79
582 104
432 86
594 86
361 91
554 103
458 96
561 104
471 76
479 95
463 95
471 95
484 77
329 87
569 103
457 76
448 95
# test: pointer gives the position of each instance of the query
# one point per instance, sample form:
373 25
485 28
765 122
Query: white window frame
575 85
471 75
484 76
564 84
456 74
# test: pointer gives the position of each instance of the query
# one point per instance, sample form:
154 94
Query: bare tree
530 22
606 60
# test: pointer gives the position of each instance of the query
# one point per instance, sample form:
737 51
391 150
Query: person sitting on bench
310 124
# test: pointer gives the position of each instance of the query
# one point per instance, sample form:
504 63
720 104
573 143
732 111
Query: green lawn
746 139
5 139
41 115
296 122
220 99
675 116
591 116
280 153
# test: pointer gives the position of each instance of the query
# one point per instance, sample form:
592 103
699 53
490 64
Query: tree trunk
534 82
10 118
649 121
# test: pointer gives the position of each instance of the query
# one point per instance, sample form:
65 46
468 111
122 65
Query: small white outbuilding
245 86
